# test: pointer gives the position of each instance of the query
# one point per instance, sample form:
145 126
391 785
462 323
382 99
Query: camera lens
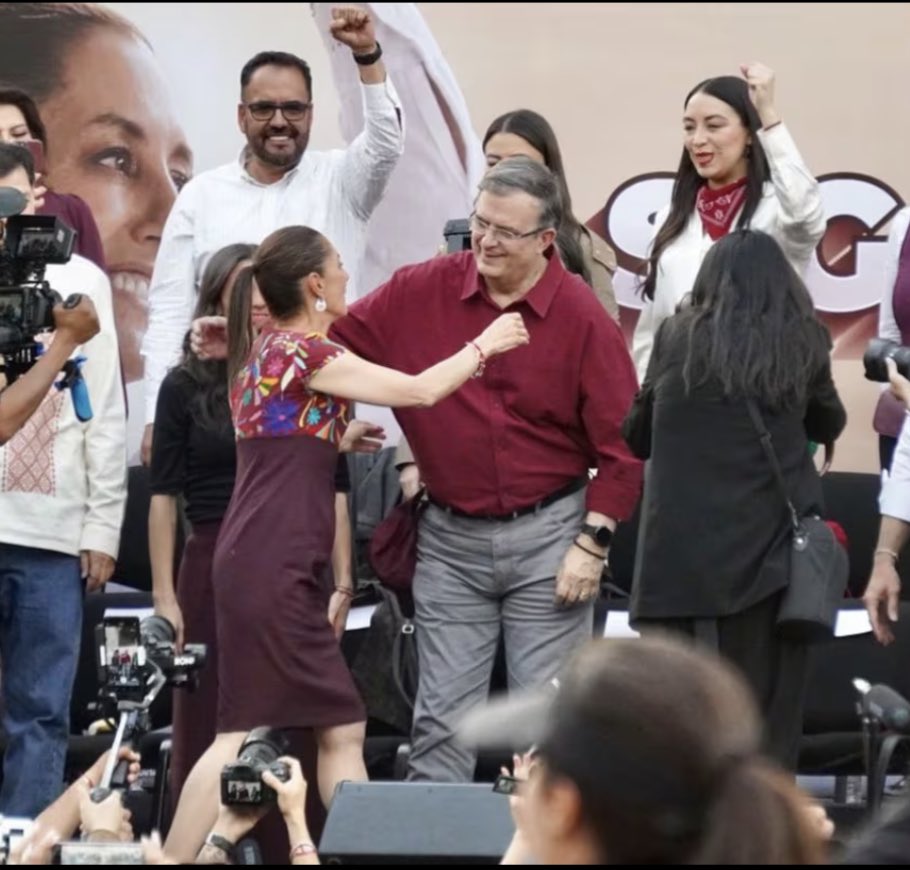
157 630
263 745
877 352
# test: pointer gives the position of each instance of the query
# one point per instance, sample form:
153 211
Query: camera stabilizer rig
136 660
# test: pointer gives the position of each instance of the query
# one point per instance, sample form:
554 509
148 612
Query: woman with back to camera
279 660
649 752
713 550
194 458
739 168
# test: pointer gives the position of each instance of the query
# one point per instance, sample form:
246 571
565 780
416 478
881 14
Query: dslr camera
881 349
28 245
136 659
241 781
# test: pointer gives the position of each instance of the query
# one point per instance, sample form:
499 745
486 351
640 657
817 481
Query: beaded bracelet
481 359
345 591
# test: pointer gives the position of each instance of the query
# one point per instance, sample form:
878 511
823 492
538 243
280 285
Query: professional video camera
241 781
27 246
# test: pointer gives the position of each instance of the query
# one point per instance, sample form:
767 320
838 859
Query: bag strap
764 436
403 634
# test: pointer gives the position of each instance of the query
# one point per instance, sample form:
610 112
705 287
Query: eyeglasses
293 110
485 228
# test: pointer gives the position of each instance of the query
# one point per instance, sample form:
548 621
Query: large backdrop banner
131 116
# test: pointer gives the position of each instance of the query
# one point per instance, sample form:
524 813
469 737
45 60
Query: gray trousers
474 579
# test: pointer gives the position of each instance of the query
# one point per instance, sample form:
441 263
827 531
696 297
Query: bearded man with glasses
275 182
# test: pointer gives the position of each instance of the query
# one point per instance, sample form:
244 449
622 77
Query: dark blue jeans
40 626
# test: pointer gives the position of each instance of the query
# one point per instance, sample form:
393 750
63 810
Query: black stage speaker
416 823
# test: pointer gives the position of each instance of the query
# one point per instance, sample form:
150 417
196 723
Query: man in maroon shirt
515 537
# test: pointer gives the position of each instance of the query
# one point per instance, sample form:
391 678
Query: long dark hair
210 408
751 325
240 327
537 132
283 258
735 93
10 96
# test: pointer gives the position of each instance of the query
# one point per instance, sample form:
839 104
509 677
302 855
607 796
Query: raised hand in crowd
292 803
760 80
354 28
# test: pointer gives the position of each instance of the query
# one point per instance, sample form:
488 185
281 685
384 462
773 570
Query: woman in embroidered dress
739 168
279 662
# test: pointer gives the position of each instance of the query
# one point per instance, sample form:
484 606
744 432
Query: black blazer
713 533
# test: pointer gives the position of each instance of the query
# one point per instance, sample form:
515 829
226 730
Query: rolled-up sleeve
371 157
172 295
802 214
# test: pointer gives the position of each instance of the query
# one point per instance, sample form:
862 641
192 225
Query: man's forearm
21 399
892 535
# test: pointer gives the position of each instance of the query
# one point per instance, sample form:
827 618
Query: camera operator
62 495
882 597
18 401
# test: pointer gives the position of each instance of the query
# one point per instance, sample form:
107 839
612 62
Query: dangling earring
320 304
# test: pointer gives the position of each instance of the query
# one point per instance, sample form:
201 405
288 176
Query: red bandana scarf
717 208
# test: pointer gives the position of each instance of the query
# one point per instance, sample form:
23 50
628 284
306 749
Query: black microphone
881 702
12 201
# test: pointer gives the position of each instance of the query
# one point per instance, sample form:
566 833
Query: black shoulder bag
819 567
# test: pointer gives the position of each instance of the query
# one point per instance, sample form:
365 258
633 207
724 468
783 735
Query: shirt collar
245 176
539 297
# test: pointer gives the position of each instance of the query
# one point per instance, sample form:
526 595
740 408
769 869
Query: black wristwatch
601 535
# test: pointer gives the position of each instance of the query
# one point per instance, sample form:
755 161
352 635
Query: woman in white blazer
739 167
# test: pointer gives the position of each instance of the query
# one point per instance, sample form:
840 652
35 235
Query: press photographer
62 494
